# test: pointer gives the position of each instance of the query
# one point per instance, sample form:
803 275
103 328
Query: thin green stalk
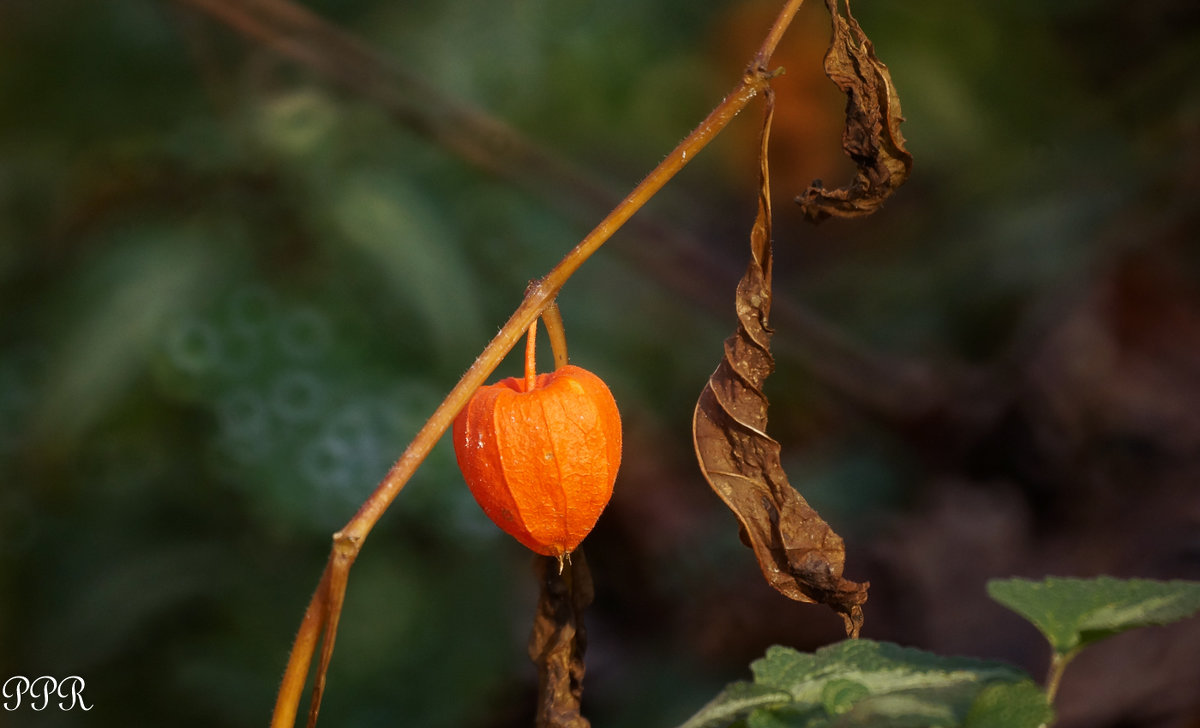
1058 663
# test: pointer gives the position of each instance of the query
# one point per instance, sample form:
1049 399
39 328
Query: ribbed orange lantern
541 453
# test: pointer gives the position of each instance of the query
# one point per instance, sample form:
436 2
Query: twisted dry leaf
558 640
800 555
872 137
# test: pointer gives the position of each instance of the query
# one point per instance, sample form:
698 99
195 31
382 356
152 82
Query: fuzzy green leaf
880 667
1072 613
866 683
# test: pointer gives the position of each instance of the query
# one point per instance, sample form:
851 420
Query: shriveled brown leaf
559 640
872 137
799 554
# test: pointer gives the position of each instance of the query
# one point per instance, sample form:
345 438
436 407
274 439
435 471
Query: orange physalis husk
540 455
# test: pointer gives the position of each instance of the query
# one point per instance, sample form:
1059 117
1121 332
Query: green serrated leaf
1072 613
880 667
856 683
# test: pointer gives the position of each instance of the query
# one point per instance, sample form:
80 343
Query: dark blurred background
233 286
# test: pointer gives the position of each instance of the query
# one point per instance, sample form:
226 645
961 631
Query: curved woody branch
325 608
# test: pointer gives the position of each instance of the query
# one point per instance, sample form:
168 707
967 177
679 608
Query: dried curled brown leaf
559 640
799 554
872 137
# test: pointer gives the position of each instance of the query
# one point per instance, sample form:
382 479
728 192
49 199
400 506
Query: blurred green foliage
230 294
